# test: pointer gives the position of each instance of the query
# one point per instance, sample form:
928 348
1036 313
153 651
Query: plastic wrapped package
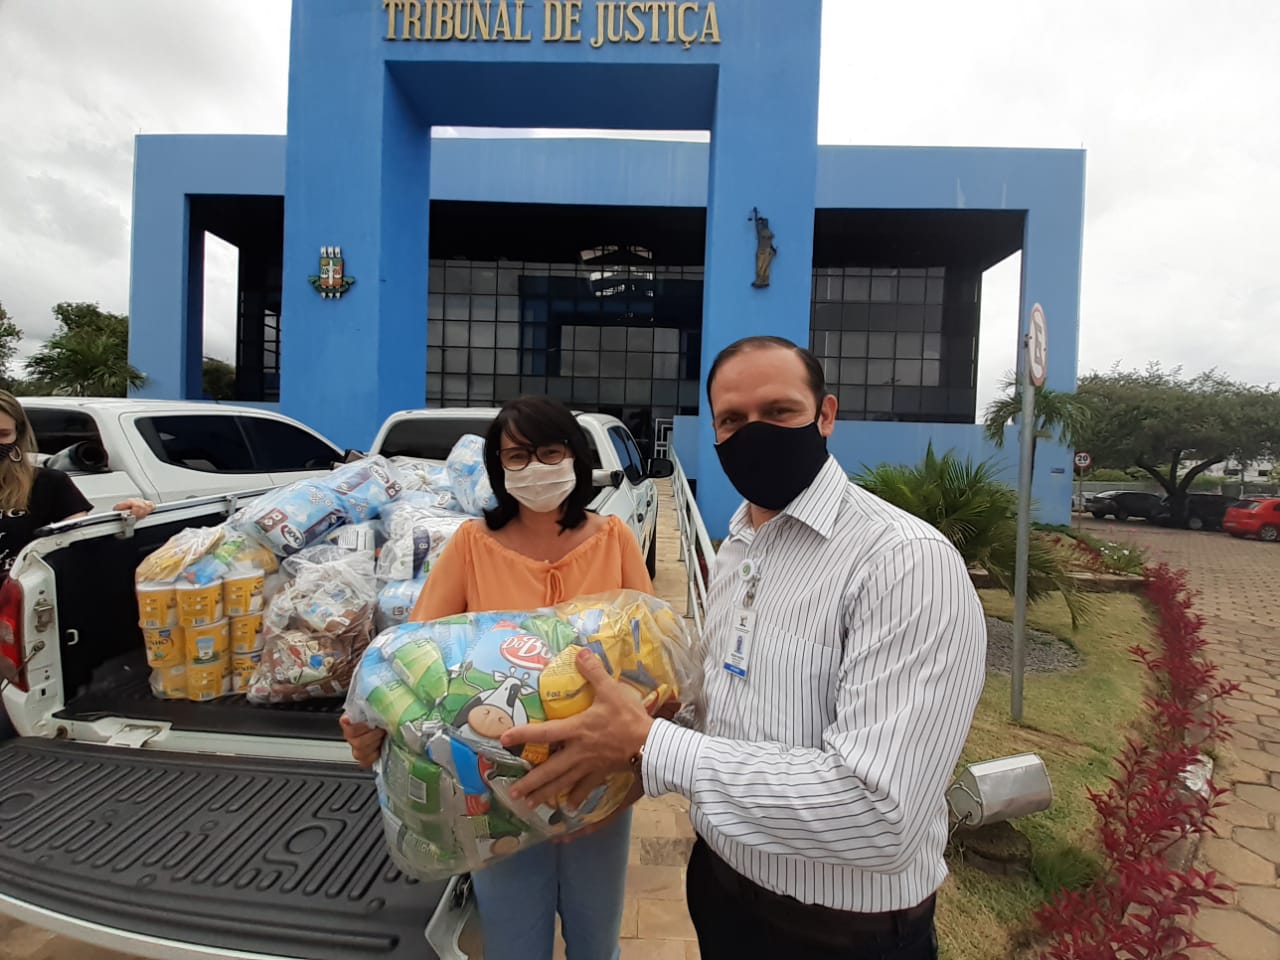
415 533
365 487
396 601
180 552
468 477
427 477
315 628
445 692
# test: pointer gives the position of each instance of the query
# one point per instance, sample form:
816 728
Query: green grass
1076 722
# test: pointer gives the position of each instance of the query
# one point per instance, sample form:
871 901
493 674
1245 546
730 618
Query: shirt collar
817 506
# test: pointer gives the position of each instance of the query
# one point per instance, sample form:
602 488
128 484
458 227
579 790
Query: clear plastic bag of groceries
306 511
468 477
427 477
316 626
396 601
415 532
445 691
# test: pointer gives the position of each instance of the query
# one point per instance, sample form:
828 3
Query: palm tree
978 514
88 356
1059 415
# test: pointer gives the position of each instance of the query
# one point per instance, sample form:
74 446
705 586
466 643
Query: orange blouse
476 572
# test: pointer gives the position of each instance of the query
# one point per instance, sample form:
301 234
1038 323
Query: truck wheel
1122 515
651 561
1269 533
1099 515
1194 523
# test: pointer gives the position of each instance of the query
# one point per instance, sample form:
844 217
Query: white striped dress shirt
822 775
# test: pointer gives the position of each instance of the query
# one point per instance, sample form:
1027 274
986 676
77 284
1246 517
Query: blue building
604 272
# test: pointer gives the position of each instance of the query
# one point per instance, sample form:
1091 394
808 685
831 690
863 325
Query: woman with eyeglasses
538 547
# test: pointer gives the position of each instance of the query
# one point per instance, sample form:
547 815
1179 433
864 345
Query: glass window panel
613 338
911 317
482 361
560 387
666 340
689 393
639 339
857 289
879 399
933 401
883 289
457 306
909 345
508 335
937 271
827 343
639 365
587 338
435 331
457 278
666 392
435 276
856 316
506 388
586 364
933 318
435 359
483 309
507 362
933 291
536 338
533 384
612 391
853 344
455 387
826 316
639 392
566 338
508 309
435 306
455 361
483 334
586 391
907 373
906 401
912 272
455 333
883 317
508 280
932 346
884 271
960 403
853 371
613 364
831 370
852 399
666 366
880 372
482 388
911 290
484 279
880 345
857 271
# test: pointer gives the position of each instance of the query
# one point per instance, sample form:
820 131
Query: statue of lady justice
765 250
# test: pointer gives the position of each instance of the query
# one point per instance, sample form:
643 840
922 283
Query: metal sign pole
1026 427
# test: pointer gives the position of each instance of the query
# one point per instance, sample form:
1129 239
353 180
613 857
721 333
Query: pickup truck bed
231 853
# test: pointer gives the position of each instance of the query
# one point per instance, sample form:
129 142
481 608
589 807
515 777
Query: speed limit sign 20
1083 460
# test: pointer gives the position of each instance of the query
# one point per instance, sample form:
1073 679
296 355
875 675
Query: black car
1204 511
1123 504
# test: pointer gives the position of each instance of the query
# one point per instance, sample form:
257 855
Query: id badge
740 637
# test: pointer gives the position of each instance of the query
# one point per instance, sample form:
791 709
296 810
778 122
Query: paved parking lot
1239 586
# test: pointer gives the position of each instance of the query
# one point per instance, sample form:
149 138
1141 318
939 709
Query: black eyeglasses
517 458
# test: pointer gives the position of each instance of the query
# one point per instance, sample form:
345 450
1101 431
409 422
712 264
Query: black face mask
771 465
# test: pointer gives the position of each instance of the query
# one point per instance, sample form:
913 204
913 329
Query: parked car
1123 504
1254 518
253 818
1204 511
166 450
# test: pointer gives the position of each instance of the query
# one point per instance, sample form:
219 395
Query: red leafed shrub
1139 909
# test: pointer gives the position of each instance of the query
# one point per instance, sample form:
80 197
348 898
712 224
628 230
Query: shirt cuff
670 759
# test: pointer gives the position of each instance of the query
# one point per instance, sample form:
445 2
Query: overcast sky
1176 103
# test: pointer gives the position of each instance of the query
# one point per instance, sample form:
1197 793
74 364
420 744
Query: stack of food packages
279 602
445 692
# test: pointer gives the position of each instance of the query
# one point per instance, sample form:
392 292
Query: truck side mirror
606 478
351 456
660 468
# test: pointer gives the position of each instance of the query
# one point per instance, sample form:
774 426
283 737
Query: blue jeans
583 880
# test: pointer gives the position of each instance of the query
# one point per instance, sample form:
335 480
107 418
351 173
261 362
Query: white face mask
542 487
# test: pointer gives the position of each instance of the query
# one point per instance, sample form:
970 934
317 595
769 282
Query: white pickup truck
170 829
166 450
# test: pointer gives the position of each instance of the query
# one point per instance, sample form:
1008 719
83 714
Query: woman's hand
365 741
137 506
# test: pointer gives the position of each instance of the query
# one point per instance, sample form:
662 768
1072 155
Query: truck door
637 492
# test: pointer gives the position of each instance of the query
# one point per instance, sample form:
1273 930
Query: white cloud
1173 100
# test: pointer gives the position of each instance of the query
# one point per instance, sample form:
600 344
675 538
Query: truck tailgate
274 858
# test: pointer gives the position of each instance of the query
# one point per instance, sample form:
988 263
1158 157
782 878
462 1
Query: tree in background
1158 421
1058 415
219 379
10 339
88 355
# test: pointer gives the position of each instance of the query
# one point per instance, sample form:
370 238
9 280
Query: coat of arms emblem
332 282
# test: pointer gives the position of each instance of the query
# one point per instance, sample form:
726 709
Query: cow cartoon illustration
491 713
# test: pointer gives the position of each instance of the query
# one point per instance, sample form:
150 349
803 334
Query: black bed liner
122 689
283 858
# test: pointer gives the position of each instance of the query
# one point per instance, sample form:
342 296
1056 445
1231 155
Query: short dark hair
812 366
537 421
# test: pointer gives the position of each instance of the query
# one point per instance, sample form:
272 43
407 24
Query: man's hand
599 741
365 741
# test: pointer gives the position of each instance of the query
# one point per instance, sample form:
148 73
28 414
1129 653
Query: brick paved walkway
1239 586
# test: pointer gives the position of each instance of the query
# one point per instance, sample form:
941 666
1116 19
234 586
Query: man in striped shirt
844 650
